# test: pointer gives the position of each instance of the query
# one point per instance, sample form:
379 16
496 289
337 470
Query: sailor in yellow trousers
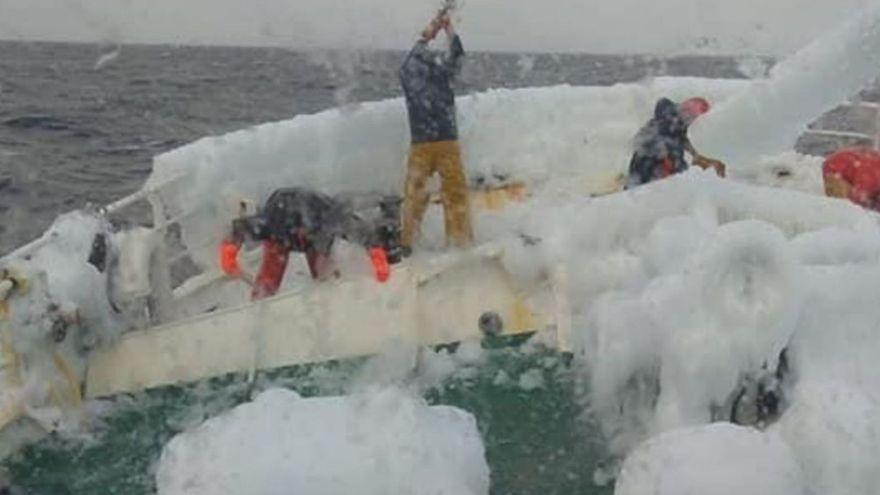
427 79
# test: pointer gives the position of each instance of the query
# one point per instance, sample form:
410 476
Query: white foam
383 442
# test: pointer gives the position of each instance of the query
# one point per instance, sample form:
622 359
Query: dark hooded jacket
427 79
659 146
303 220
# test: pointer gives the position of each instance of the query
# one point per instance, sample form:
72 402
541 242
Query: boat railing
873 136
173 276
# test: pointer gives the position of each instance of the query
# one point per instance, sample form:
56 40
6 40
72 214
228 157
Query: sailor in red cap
660 145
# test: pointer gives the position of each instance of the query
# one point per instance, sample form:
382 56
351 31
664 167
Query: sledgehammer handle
448 6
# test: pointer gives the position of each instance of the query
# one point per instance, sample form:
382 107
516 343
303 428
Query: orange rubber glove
229 257
379 259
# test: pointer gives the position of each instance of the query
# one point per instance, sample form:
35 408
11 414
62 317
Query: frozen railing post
144 258
872 136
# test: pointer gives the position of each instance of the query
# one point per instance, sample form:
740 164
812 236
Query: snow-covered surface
378 443
833 425
73 283
772 113
60 310
720 459
690 281
681 287
788 169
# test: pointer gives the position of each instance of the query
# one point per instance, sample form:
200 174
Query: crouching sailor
302 221
660 146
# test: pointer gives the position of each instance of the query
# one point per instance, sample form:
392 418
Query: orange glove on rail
379 259
229 258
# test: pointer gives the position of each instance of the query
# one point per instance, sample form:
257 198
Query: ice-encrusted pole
771 114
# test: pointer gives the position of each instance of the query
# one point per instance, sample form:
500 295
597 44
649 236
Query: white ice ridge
768 117
373 444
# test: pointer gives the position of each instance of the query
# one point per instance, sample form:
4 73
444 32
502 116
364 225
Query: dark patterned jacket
427 79
659 146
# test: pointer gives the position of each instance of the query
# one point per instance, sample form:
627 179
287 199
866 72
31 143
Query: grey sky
648 26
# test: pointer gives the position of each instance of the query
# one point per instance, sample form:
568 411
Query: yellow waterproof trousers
443 157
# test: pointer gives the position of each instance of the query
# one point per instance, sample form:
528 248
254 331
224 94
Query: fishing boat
129 296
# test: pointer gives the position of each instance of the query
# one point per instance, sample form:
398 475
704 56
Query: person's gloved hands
720 168
705 162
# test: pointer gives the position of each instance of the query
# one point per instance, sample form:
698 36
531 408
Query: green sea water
529 405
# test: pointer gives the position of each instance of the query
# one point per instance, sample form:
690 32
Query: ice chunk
833 430
61 256
719 459
384 442
769 116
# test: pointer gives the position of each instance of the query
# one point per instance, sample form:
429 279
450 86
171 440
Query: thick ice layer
59 311
528 134
833 425
378 443
62 255
682 286
721 459
768 117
